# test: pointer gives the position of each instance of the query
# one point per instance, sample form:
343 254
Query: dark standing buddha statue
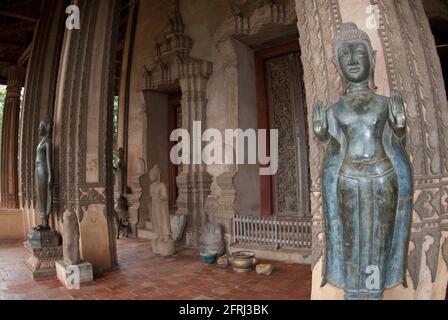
43 175
43 235
366 176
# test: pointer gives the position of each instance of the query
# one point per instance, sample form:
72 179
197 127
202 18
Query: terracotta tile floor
142 275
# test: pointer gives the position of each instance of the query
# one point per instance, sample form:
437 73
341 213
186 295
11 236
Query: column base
164 248
72 276
41 261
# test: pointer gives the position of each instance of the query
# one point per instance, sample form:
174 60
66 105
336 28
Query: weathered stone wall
11 225
153 16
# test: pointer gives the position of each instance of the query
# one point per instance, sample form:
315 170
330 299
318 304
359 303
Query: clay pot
208 258
243 261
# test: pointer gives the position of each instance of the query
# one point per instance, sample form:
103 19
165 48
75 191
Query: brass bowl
243 261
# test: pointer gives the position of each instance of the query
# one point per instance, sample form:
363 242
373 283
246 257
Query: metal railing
278 232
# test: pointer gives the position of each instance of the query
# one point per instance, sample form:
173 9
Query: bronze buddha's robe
367 203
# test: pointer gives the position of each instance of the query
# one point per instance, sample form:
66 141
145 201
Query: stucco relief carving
173 60
40 83
427 204
244 22
322 82
426 99
413 68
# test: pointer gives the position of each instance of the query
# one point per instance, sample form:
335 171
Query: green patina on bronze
43 174
366 177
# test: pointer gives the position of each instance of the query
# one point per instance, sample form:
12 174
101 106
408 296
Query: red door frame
174 100
264 118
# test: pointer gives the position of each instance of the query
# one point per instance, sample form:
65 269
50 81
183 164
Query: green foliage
2 105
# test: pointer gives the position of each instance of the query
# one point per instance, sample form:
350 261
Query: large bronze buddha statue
366 176
43 175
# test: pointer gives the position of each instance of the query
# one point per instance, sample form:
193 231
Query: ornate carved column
9 182
413 67
38 101
83 131
318 20
194 181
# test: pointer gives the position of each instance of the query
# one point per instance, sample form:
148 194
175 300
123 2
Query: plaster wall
11 225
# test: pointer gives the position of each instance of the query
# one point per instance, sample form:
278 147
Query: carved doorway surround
175 70
248 29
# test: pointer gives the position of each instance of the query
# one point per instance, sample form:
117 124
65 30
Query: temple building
112 80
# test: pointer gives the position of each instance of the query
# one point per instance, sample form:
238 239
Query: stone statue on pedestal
160 216
121 203
43 175
366 176
42 235
43 243
122 217
120 172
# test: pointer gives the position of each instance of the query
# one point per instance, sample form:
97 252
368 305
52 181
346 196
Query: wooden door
281 106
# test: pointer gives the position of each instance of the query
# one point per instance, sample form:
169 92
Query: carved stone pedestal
73 275
164 248
41 261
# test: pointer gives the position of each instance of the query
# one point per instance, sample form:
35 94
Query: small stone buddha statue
366 177
160 215
120 171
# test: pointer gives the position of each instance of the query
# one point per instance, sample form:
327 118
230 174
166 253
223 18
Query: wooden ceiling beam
5 43
16 28
6 63
17 16
17 3
25 56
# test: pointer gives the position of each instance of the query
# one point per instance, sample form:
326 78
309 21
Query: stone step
144 233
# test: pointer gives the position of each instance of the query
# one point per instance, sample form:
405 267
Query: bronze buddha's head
44 128
354 55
